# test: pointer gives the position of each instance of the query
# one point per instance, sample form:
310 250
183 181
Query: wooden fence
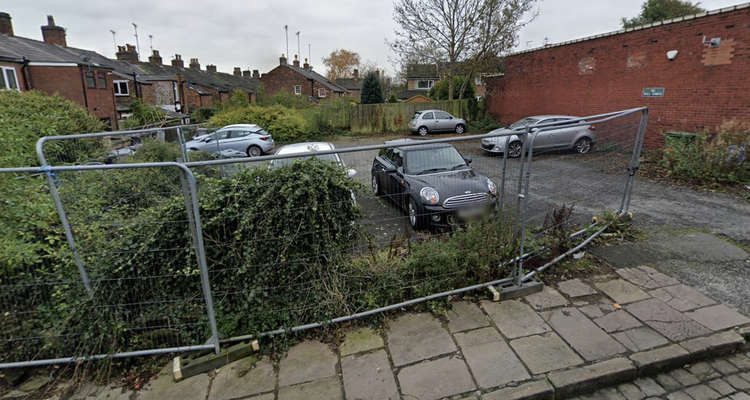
387 117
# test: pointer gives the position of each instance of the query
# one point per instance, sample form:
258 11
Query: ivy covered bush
286 125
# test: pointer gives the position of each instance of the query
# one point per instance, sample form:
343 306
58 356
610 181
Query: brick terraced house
692 72
106 87
302 81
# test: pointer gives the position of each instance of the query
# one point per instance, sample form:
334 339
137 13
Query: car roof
397 142
305 147
244 126
424 111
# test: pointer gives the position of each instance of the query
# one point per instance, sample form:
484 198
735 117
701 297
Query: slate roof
350 83
310 74
15 48
421 71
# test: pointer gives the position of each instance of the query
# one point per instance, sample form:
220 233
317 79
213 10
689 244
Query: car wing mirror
468 160
351 172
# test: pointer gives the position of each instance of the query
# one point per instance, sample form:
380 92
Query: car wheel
582 146
422 131
460 129
514 149
254 151
376 186
416 220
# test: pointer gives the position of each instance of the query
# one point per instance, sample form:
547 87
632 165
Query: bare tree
459 36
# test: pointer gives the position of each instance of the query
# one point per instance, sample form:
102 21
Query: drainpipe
25 74
135 85
83 87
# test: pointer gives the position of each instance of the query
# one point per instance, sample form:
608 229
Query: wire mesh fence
180 255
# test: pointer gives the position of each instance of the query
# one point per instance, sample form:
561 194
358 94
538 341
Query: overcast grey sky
250 33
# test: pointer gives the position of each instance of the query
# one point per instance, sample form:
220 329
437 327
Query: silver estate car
248 139
577 136
429 121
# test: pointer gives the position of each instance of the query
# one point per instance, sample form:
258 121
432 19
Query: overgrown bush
27 116
144 115
441 89
720 159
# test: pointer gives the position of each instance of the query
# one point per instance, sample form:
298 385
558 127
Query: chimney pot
296 61
237 71
246 73
356 73
177 61
306 65
155 58
256 73
127 53
282 60
6 25
194 64
52 33
210 68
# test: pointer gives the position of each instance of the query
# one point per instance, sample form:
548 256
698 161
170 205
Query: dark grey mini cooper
433 183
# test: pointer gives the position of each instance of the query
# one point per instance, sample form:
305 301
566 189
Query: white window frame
116 89
298 90
4 70
430 83
322 92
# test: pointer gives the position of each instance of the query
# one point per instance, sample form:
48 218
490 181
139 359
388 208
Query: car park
248 139
432 121
432 183
570 134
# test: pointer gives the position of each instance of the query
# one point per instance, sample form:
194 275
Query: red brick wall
283 78
703 86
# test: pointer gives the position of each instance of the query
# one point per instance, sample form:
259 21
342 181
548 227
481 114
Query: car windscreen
422 161
282 162
523 123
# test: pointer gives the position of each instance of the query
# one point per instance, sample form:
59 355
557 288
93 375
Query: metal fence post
183 150
501 200
634 162
189 187
524 197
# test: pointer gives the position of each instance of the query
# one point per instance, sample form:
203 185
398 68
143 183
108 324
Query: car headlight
429 195
491 186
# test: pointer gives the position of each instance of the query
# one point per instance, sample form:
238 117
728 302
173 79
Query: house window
90 80
321 92
121 88
8 79
102 79
298 89
425 83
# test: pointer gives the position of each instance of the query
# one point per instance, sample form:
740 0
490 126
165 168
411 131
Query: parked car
307 150
578 136
134 142
429 121
432 183
249 139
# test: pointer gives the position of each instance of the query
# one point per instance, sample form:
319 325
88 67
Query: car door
428 120
238 140
445 121
396 179
544 138
219 140
564 137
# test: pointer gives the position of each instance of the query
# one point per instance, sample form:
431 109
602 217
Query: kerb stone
592 377
537 390
654 361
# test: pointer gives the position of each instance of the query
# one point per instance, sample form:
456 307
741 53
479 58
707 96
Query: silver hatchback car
578 136
429 121
238 139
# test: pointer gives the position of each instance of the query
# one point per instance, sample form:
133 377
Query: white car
247 139
307 150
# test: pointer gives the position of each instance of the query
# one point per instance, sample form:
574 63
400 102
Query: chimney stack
237 71
155 58
306 66
356 73
282 60
177 61
296 61
256 74
52 33
127 53
194 64
6 26
210 68
246 73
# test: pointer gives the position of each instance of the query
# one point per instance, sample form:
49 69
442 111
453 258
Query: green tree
393 98
239 99
441 90
372 92
658 10
144 115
